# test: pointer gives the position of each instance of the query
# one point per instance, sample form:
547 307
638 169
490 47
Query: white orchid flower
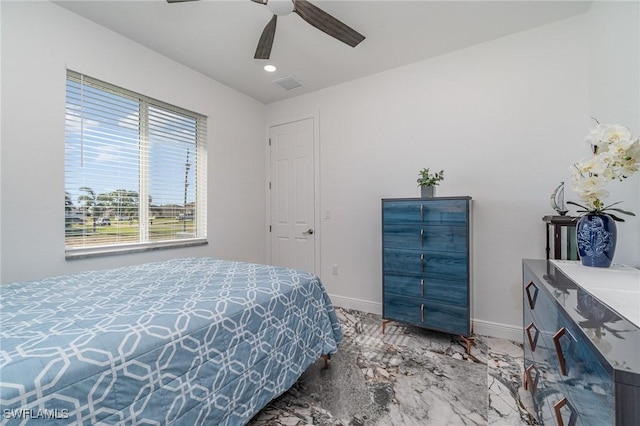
616 156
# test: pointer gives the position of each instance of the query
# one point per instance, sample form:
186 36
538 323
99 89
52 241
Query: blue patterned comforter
186 341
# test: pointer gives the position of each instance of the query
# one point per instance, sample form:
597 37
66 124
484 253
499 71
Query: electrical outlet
334 269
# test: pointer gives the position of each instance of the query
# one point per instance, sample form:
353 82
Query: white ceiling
218 38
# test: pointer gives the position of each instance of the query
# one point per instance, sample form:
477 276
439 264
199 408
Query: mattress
186 341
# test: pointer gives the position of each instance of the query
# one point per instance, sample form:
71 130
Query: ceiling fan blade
179 1
263 51
327 23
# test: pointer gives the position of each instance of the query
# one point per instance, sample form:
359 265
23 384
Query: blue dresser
581 358
426 262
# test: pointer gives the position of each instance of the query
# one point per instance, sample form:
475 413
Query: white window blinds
135 169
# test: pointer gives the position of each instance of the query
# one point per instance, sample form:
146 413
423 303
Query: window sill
83 253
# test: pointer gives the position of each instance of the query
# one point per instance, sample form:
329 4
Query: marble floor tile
509 403
407 376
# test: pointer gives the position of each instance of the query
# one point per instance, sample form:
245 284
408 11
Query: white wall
504 119
39 41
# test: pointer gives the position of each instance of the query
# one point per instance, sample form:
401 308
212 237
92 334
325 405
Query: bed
195 341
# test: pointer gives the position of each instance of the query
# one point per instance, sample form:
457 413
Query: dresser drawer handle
530 298
533 341
529 380
556 342
558 406
422 262
422 312
421 212
422 238
422 288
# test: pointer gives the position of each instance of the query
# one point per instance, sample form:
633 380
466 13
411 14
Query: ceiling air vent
287 83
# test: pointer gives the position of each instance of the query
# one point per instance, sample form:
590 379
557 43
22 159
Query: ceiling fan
307 11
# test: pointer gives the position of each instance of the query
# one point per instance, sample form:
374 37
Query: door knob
308 232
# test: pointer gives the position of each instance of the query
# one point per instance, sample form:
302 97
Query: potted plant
427 182
615 157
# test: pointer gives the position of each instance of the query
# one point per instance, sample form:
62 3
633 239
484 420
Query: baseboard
357 304
480 327
495 329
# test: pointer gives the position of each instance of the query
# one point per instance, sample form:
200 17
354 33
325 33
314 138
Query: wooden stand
555 225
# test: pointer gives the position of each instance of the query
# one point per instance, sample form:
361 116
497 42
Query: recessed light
270 68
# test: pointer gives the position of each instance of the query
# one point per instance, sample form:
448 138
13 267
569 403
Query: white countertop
617 286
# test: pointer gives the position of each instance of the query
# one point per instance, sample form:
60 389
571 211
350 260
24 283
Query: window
135 171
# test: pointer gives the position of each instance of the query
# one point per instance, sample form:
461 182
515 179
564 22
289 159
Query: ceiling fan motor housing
280 7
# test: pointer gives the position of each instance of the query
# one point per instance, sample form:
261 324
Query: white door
292 195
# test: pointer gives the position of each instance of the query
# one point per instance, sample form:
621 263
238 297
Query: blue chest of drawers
581 358
426 262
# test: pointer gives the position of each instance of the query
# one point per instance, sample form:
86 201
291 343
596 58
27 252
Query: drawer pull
421 212
422 312
533 341
556 342
530 298
558 406
422 238
529 380
422 262
422 287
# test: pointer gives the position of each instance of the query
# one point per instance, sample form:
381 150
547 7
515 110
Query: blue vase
596 236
